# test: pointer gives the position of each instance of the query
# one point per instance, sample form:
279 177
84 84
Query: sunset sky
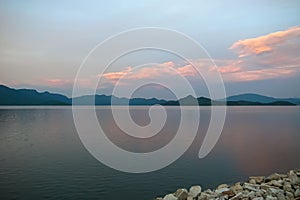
255 44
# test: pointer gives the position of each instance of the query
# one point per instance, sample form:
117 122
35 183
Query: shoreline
273 187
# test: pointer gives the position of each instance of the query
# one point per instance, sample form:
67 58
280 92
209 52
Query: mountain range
11 96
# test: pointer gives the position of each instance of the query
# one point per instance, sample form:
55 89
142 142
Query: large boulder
237 188
170 197
297 193
257 179
181 194
195 191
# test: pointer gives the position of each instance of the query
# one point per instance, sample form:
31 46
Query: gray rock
228 193
273 191
223 197
274 176
181 194
180 190
258 179
222 186
221 190
280 196
269 197
274 187
245 193
287 187
289 195
237 188
252 181
251 195
297 193
170 197
295 180
251 187
195 190
277 183
237 196
260 193
208 191
291 173
205 196
258 198
265 186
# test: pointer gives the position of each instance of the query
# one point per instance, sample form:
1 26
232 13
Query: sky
255 44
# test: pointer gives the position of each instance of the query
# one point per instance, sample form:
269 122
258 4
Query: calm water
41 155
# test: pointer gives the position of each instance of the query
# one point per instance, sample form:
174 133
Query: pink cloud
155 71
264 44
282 54
168 64
243 70
278 57
187 70
232 68
56 82
261 74
115 76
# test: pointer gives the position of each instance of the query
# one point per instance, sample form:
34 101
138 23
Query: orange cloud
229 68
155 71
279 57
56 82
168 64
282 60
262 74
187 70
115 76
264 44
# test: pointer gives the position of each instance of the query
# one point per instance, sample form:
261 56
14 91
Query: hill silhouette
11 96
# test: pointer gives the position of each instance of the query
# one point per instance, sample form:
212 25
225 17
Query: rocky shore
273 187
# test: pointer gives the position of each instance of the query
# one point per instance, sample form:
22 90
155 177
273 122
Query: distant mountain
251 97
251 103
203 101
190 101
108 100
10 96
261 98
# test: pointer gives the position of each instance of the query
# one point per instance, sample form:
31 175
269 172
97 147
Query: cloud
168 64
160 70
57 82
266 43
245 70
232 67
115 76
262 74
275 55
187 70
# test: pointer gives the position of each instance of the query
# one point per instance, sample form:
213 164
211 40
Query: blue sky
42 43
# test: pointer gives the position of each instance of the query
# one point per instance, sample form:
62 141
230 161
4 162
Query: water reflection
41 155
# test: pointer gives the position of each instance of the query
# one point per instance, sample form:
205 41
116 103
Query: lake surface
41 155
